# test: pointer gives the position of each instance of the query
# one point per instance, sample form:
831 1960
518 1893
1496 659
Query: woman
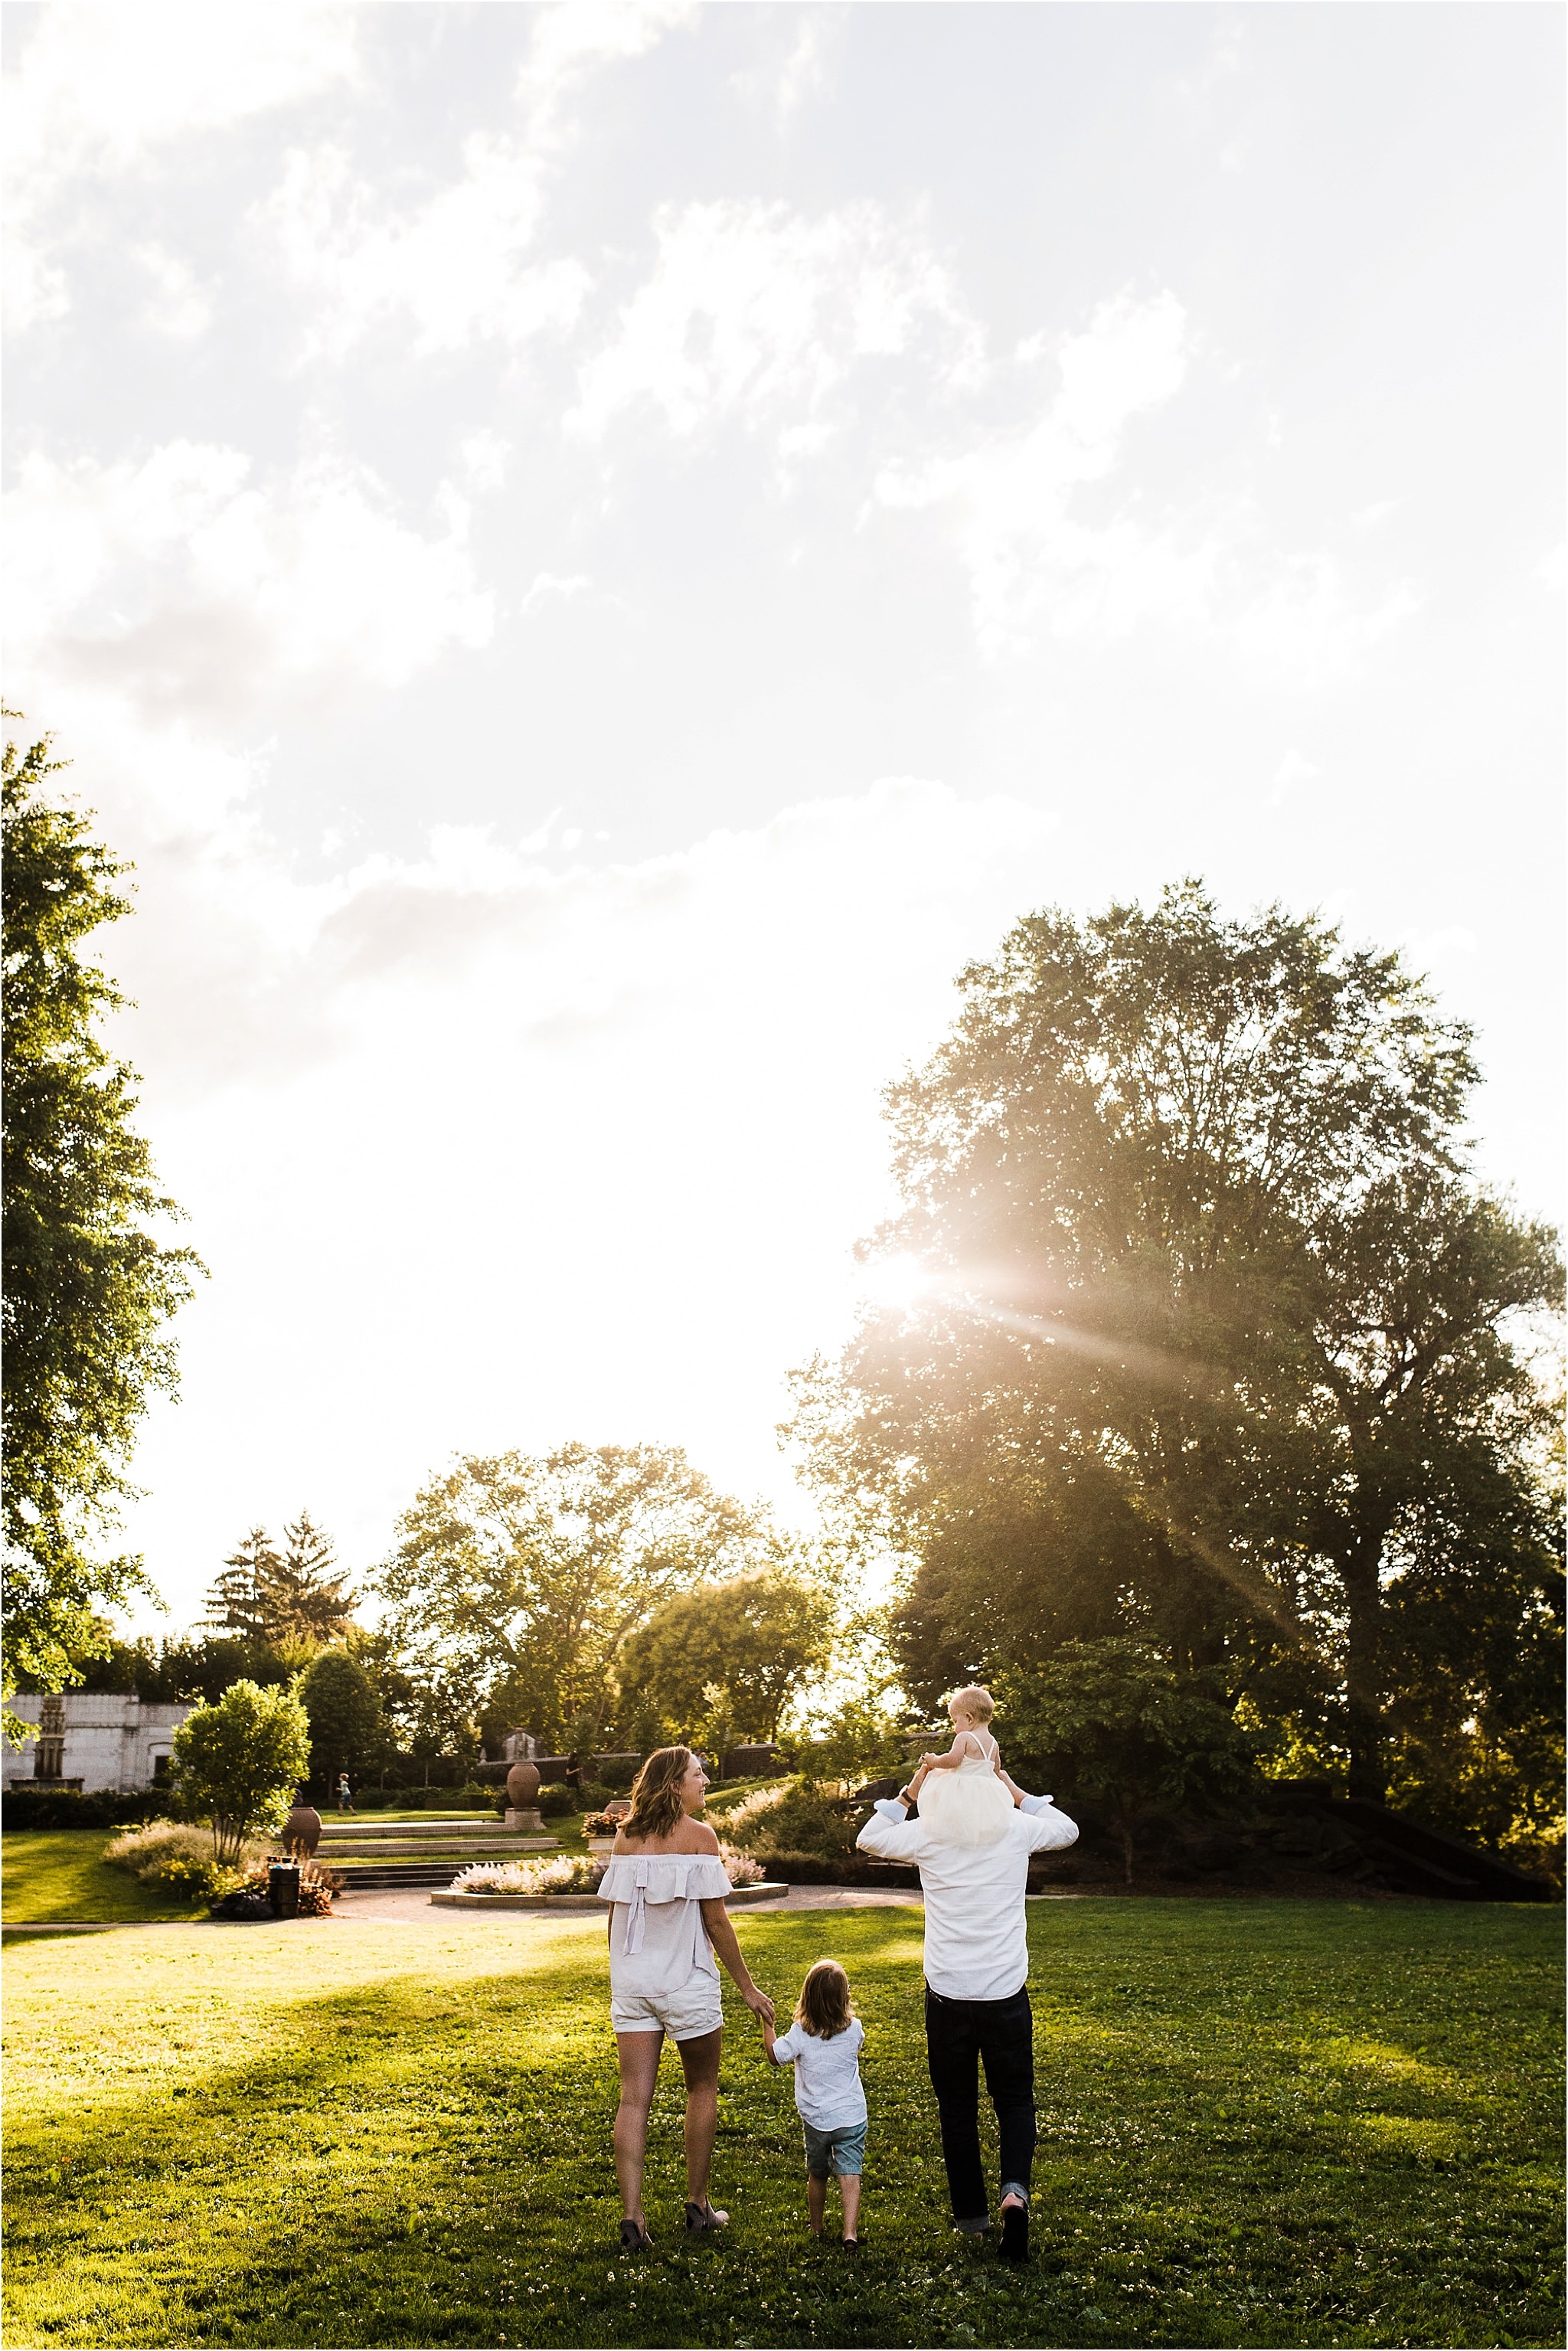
667 1885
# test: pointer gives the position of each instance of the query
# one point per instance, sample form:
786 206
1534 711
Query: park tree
347 1727
756 1639
88 1284
282 1595
523 1575
240 1600
1113 1720
237 1761
1209 1335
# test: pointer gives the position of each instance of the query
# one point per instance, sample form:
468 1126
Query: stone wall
105 1743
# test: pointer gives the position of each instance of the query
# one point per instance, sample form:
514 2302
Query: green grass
53 1874
1262 2123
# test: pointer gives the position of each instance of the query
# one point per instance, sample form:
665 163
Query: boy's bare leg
850 2192
816 2201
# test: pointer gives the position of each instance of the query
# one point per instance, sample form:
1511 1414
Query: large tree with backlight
1216 1340
90 1282
518 1578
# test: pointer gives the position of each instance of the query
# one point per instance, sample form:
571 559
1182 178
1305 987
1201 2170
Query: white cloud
576 38
100 85
179 307
758 313
196 589
1293 770
484 458
456 265
1037 568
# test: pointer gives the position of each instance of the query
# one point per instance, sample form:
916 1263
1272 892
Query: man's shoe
1014 2246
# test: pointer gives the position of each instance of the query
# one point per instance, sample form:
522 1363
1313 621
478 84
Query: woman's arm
721 1935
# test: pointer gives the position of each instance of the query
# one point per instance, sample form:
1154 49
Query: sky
594 556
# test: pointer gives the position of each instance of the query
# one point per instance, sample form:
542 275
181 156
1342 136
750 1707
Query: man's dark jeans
1000 2034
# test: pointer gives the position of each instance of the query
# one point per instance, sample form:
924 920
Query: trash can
283 1889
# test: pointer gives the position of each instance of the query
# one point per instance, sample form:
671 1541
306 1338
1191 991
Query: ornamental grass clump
178 1856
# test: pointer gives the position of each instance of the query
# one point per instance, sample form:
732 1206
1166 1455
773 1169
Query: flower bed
574 1873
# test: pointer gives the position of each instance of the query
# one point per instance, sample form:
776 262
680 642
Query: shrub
68 1808
789 1816
238 1762
556 1804
175 1854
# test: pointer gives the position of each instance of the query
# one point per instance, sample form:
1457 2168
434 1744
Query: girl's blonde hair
656 1806
824 2007
975 1700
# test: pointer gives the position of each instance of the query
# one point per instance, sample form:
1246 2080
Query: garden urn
522 1799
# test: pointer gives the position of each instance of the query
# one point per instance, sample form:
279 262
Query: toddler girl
965 1796
823 2045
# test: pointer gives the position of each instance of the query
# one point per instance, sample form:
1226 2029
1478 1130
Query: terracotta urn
302 1832
523 1786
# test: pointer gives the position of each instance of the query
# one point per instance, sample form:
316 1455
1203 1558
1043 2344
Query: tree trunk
1363 1677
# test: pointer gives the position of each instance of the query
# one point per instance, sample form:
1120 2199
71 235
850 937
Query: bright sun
899 1281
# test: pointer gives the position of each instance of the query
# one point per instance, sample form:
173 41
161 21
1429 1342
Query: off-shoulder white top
657 1941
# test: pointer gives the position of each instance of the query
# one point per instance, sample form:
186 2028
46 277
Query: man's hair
824 2007
656 1806
975 1700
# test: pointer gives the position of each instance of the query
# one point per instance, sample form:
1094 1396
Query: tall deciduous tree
348 1729
756 1637
1218 1329
89 1287
518 1578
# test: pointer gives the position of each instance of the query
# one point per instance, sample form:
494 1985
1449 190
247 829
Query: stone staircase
420 1853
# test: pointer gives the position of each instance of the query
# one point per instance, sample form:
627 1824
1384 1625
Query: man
976 1996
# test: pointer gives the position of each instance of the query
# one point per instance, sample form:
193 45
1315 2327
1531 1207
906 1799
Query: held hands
759 2003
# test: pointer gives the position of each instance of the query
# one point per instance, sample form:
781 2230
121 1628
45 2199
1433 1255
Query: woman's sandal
702 2216
634 2238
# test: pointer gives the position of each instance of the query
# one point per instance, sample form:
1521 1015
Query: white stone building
100 1742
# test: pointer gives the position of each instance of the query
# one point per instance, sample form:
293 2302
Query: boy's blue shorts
842 2151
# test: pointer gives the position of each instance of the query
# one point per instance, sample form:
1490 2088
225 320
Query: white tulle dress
968 1806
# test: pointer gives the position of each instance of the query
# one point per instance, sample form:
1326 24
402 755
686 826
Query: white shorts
693 2008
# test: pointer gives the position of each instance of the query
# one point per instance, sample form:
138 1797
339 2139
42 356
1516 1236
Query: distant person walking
345 1800
977 1995
666 1886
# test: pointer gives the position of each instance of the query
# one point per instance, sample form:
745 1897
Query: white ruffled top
657 1941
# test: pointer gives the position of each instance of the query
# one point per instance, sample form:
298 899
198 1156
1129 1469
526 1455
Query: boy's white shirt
976 1944
827 2088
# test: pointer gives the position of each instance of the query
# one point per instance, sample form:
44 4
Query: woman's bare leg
700 2060
639 2055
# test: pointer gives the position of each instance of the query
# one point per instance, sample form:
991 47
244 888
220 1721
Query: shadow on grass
1275 2135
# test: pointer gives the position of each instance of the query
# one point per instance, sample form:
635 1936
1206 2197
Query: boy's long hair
656 1806
824 2007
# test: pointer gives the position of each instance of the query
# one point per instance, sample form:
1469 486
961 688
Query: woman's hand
759 2003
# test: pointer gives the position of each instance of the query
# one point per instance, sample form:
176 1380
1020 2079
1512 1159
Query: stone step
476 1824
476 1849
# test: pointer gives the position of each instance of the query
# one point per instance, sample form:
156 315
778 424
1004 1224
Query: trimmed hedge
68 1808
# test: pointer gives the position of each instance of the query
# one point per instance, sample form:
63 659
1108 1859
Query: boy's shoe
851 2244
1014 2246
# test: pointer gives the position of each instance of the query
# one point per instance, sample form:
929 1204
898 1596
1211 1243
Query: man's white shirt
975 1943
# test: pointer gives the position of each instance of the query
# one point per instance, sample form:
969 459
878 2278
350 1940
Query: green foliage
238 1759
753 1640
790 1816
348 1729
1276 2123
1223 1348
1114 1721
518 1579
269 1596
88 1287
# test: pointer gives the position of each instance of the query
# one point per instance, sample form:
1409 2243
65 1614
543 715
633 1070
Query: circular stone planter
767 1892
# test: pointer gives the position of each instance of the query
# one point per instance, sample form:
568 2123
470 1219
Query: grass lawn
1262 2123
57 1874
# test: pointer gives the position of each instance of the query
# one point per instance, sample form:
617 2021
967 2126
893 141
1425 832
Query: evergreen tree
242 1598
87 1287
307 1603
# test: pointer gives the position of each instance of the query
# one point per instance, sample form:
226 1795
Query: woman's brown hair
656 1806
824 2007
